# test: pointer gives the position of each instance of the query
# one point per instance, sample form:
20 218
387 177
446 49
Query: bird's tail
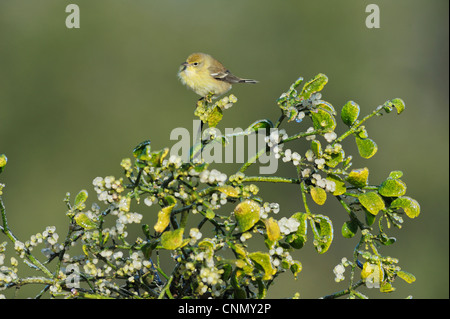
248 81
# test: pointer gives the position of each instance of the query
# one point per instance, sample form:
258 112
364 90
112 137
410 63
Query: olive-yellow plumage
205 75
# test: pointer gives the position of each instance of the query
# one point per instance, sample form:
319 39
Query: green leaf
366 147
313 86
370 219
372 202
247 214
323 232
263 260
409 205
340 184
396 174
323 120
349 229
142 152
170 200
171 240
350 112
392 188
358 177
80 199
398 103
261 124
335 158
386 240
83 221
296 267
262 289
163 219
148 248
406 276
327 107
296 84
298 239
319 195
146 230
239 292
156 158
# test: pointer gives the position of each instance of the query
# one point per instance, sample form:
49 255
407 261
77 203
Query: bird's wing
225 76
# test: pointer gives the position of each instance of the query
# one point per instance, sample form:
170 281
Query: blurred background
74 102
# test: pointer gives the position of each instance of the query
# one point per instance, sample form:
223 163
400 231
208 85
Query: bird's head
193 62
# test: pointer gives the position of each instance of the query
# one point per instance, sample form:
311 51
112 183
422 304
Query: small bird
205 75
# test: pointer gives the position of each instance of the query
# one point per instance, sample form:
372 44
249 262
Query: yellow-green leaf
3 161
366 147
228 190
406 276
359 177
322 228
296 268
263 260
272 229
84 221
398 103
319 195
339 184
409 205
372 202
315 85
163 218
335 158
386 287
392 188
247 214
80 199
323 120
171 240
350 113
298 239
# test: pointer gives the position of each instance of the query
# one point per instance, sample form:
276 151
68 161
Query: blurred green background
74 102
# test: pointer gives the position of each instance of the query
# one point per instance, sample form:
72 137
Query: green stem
351 213
252 160
280 120
303 190
303 134
355 127
271 179
345 291
5 229
166 288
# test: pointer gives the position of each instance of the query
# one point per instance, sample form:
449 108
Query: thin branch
344 292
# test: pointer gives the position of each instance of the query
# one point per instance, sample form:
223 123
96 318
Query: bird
207 77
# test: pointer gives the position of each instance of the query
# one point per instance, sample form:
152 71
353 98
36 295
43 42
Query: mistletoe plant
206 218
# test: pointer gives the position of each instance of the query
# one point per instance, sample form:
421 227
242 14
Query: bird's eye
195 63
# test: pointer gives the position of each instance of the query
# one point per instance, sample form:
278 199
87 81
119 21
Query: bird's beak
183 66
